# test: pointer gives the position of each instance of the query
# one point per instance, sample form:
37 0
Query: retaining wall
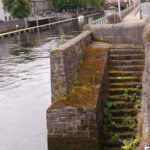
146 91
79 128
11 25
65 61
121 33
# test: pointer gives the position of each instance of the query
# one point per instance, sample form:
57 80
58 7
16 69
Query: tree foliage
74 4
65 4
90 3
17 8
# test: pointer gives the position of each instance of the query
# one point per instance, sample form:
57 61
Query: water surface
25 86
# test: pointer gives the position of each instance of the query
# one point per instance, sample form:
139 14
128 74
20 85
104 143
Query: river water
25 86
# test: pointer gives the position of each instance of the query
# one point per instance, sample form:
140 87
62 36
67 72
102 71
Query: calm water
25 87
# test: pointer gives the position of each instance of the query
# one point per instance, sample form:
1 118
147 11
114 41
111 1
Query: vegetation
132 144
90 3
75 4
84 90
133 124
17 8
62 38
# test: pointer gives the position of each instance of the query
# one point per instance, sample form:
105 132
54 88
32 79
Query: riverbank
41 27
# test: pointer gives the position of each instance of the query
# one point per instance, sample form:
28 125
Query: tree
65 4
74 4
17 8
90 3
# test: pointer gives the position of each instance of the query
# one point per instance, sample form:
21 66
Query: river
25 86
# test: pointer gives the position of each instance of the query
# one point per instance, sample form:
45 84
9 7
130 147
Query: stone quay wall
11 25
65 61
121 33
79 123
146 91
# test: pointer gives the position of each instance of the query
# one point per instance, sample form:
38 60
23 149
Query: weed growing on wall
129 121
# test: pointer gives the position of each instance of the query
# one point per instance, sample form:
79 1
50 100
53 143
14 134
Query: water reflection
72 144
25 87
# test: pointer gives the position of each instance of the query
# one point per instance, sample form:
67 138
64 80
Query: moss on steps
123 104
86 82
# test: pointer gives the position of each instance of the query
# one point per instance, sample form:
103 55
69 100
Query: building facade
41 7
4 16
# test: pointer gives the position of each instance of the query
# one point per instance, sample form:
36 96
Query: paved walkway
135 14
132 16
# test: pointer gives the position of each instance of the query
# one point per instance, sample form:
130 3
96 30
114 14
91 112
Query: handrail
103 20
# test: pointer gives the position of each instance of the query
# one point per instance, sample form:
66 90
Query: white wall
3 14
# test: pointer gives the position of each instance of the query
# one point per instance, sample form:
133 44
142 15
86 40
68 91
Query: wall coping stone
73 41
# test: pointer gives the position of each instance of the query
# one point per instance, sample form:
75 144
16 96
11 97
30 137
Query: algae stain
83 91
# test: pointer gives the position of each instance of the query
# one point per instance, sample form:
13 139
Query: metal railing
103 20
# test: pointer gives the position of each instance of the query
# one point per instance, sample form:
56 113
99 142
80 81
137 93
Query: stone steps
122 104
125 85
125 67
126 51
118 97
119 120
117 73
118 91
124 79
123 112
112 148
126 62
120 128
127 57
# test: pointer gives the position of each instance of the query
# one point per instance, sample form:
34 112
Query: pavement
135 14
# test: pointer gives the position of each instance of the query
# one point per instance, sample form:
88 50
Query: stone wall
103 93
121 33
79 128
11 25
65 61
73 124
41 7
146 91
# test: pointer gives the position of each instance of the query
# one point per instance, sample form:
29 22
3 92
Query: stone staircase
125 74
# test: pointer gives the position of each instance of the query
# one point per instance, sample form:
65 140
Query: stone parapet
67 122
65 61
121 33
146 91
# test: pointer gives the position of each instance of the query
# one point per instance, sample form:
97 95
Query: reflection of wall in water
79 143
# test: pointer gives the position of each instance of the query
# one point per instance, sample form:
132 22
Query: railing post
119 10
